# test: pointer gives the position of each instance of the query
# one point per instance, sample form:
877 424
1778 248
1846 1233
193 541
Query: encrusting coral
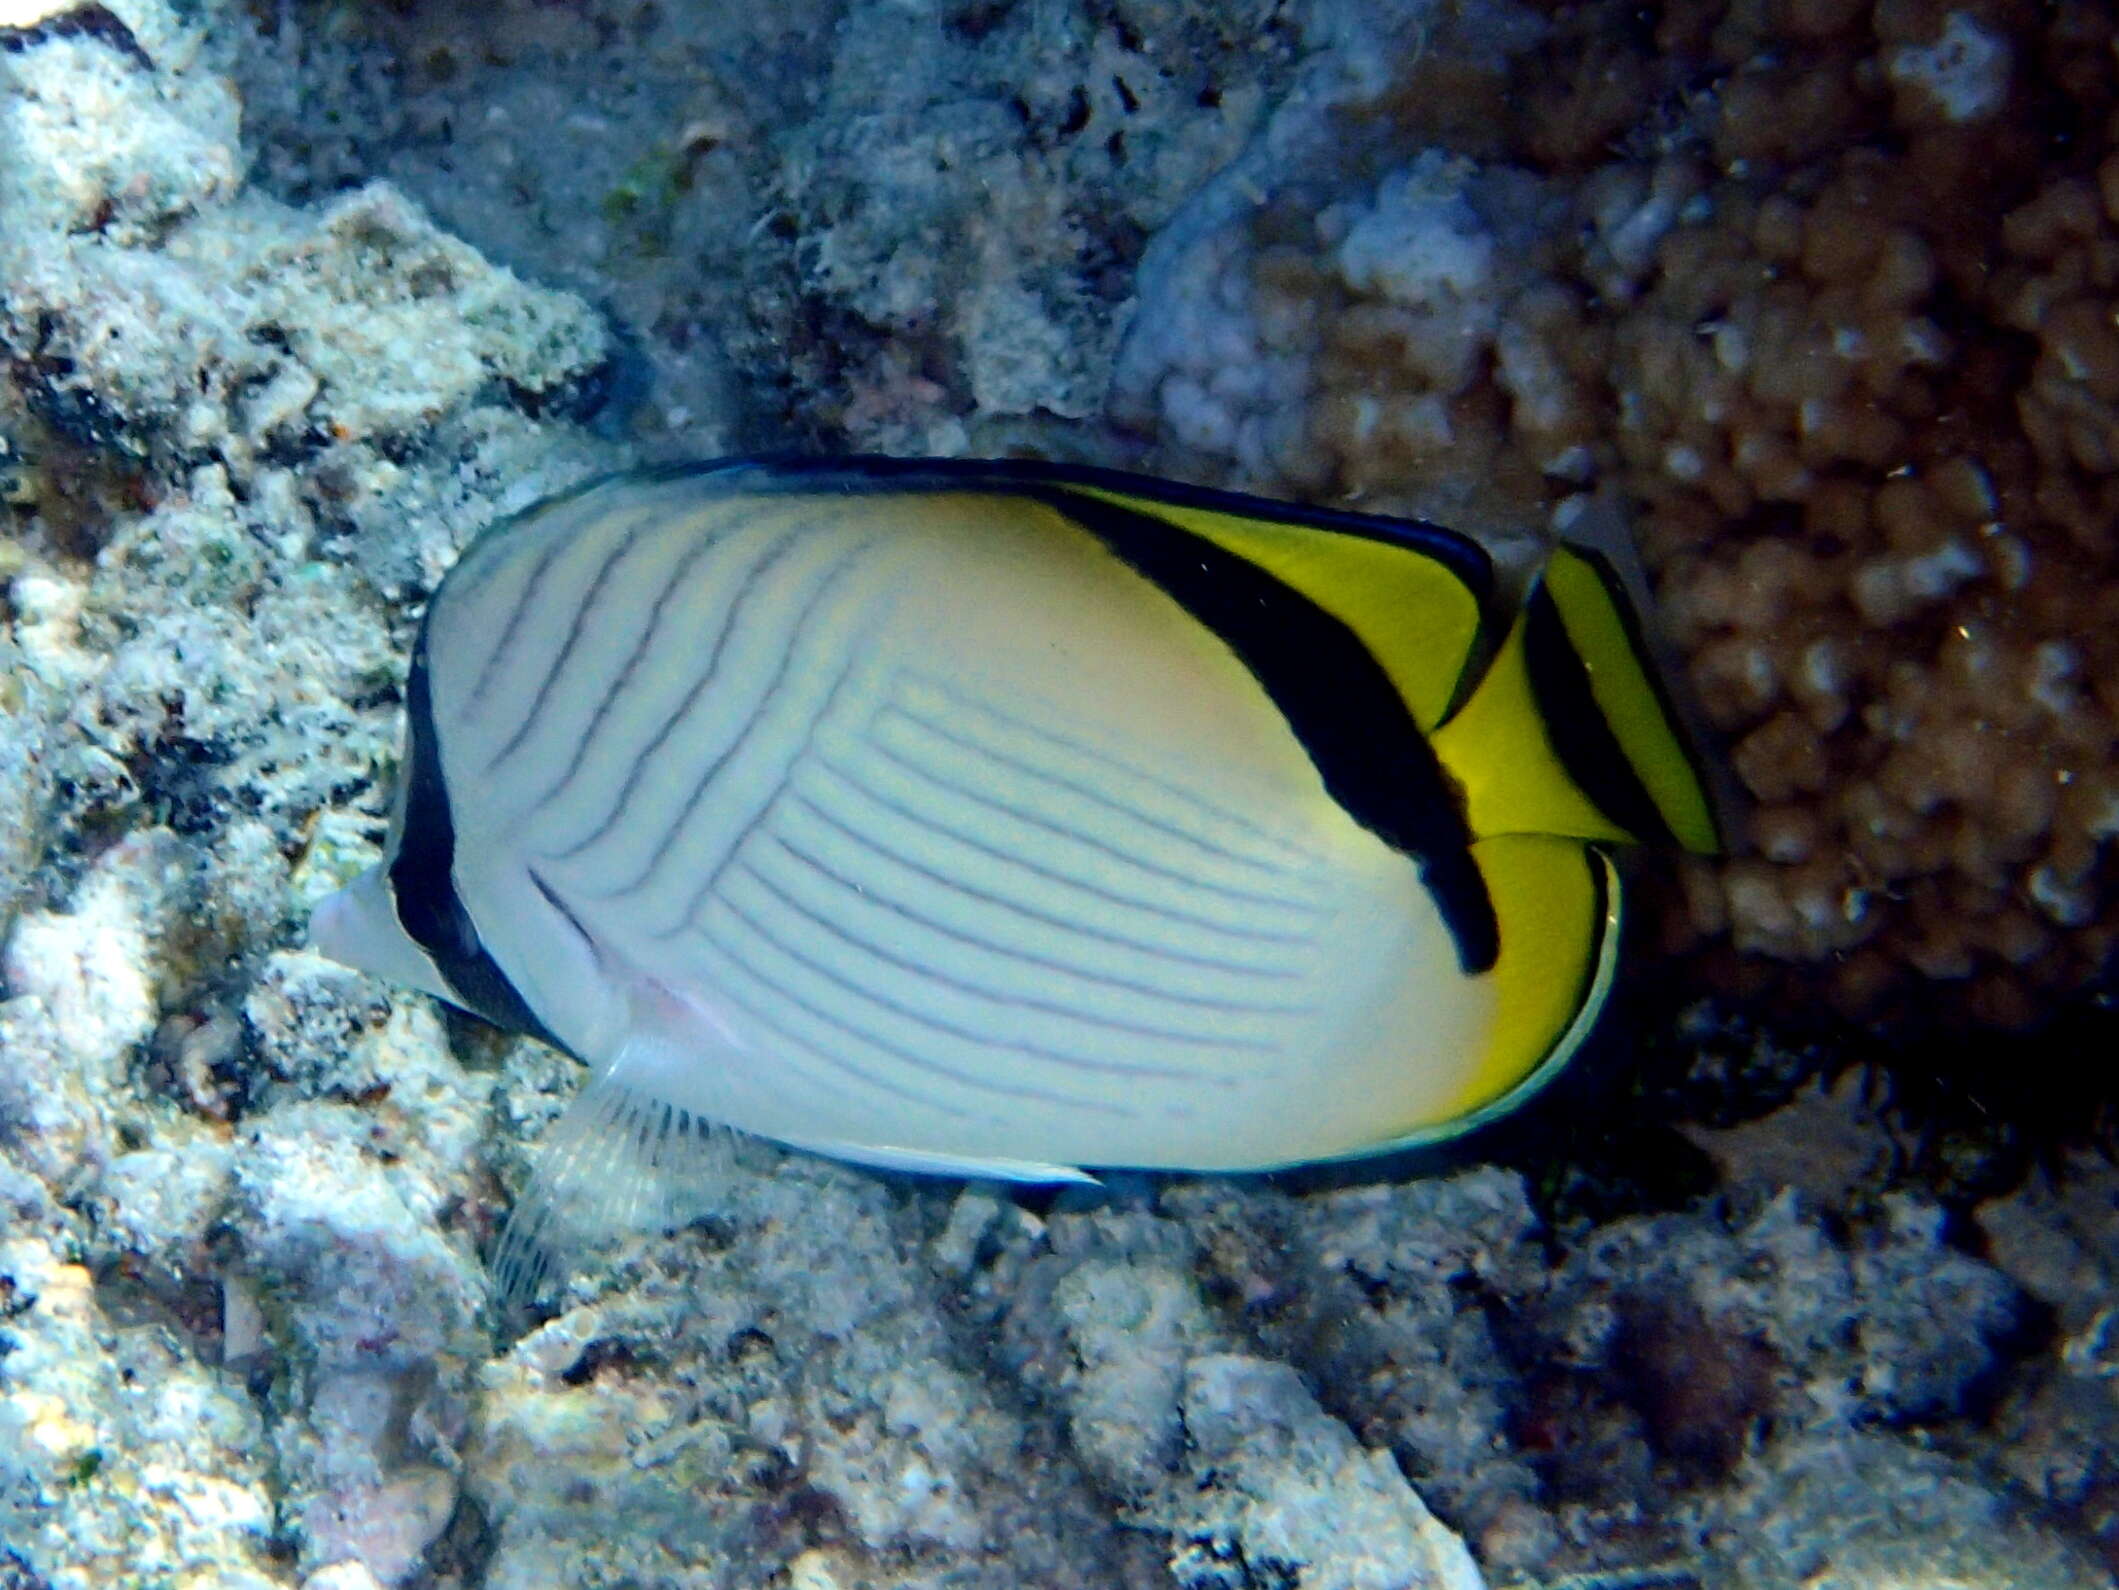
1826 295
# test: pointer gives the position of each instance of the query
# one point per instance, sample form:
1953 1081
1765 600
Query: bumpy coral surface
1824 294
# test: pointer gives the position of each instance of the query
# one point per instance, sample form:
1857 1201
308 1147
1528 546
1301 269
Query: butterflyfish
1003 820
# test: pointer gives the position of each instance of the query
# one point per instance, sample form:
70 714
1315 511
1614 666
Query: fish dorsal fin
1414 595
1569 733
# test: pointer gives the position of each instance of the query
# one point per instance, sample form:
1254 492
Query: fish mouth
357 926
334 926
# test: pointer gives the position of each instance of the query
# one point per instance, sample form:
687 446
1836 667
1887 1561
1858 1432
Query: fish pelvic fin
1570 732
618 1163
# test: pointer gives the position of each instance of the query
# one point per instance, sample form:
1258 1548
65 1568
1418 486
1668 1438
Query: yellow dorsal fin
1567 733
1415 607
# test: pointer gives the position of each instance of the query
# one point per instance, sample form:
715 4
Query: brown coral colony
1839 316
1909 633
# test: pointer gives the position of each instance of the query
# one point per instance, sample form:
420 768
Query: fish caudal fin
1569 733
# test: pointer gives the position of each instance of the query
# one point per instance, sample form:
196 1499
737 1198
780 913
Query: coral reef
122 1458
293 299
816 1407
1807 287
243 434
873 226
1284 1489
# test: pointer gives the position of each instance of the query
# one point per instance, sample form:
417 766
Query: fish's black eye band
422 879
1341 705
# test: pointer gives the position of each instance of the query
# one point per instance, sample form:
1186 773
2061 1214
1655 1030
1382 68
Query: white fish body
909 821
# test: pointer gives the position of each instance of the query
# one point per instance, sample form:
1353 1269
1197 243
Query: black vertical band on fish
997 819
422 876
1336 698
1576 725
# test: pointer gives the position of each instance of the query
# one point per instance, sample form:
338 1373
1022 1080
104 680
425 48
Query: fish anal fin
1558 905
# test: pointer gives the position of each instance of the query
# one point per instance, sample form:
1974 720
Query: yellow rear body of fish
1004 819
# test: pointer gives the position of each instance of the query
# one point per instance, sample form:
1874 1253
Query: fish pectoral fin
881 1156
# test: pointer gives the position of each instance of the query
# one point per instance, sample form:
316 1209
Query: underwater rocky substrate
263 371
